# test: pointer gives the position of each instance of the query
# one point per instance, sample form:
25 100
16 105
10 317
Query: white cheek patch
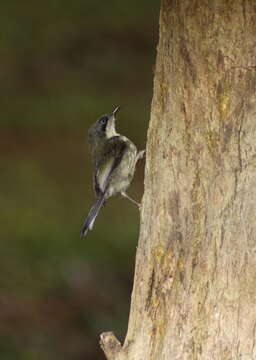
110 129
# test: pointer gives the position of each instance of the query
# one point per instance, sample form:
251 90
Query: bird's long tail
89 221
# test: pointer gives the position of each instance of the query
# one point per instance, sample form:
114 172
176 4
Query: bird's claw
141 154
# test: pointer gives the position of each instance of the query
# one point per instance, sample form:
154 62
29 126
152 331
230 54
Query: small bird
114 159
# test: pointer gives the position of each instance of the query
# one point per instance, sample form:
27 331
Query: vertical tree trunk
194 293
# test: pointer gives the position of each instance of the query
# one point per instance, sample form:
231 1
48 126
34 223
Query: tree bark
194 294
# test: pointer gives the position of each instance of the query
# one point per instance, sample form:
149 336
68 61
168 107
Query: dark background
62 64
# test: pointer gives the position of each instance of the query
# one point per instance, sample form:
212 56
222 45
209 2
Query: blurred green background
63 64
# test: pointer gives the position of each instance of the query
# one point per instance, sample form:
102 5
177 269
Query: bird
114 159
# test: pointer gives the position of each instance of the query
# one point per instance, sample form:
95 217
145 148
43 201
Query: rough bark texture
194 293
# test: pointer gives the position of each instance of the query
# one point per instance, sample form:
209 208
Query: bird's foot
140 155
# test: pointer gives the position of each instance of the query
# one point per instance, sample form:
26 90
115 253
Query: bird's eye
103 120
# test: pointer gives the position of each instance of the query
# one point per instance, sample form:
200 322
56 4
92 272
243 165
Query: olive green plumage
114 160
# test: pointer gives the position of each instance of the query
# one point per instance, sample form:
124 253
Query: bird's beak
116 110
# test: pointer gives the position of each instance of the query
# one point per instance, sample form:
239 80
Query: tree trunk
194 293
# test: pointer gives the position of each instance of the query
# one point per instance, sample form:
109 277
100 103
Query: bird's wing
113 152
96 184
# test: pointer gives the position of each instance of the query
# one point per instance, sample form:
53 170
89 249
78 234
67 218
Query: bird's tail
89 221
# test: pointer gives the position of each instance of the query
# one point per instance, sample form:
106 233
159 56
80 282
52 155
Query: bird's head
105 125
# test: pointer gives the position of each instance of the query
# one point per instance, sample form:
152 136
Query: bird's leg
123 193
139 156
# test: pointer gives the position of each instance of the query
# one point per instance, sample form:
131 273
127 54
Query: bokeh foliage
63 64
